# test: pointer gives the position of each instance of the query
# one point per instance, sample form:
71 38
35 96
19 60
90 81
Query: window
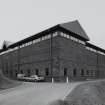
37 72
49 36
55 34
87 72
28 73
65 71
62 34
82 72
11 73
47 71
38 40
34 41
21 71
74 39
82 42
68 36
74 72
16 72
6 71
91 72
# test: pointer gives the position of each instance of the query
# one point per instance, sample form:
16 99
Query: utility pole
97 66
51 59
18 59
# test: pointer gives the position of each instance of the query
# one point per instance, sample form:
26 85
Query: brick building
61 51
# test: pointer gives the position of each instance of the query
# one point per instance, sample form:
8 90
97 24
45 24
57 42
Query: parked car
33 78
37 78
20 76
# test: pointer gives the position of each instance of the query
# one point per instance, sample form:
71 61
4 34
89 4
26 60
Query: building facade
60 52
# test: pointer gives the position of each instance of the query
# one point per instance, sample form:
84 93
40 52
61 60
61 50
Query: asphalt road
35 93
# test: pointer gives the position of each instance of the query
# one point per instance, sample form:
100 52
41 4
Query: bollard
52 80
67 79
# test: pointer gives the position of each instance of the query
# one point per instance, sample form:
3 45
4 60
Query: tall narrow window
74 72
28 73
16 73
82 72
11 73
87 72
21 71
65 71
6 71
37 72
47 71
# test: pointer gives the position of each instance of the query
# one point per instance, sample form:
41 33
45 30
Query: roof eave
95 47
43 33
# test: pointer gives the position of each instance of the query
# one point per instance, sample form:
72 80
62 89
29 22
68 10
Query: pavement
36 93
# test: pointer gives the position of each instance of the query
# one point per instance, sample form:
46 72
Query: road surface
35 93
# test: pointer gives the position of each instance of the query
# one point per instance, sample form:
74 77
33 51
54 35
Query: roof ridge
75 27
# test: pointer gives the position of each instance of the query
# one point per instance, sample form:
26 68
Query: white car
37 78
20 76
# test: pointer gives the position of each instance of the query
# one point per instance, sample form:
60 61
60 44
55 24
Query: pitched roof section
73 27
76 28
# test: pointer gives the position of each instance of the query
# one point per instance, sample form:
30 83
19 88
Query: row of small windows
94 50
82 73
72 38
53 35
36 72
31 42
28 72
80 41
39 39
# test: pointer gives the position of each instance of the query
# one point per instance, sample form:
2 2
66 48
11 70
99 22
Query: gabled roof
76 28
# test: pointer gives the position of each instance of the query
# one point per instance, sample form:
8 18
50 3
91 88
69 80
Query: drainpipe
18 59
97 66
51 59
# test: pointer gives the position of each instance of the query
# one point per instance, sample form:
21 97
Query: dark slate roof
76 28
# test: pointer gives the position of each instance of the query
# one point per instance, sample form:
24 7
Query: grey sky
22 18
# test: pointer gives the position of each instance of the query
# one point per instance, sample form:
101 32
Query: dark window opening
65 71
92 72
6 71
47 71
82 72
28 73
74 72
21 71
16 73
11 73
87 72
37 72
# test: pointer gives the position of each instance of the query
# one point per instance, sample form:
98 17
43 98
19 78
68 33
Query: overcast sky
22 18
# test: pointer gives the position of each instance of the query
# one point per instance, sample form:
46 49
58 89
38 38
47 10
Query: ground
35 93
88 93
6 83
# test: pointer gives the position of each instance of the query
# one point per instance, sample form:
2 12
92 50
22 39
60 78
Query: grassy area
6 83
90 93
